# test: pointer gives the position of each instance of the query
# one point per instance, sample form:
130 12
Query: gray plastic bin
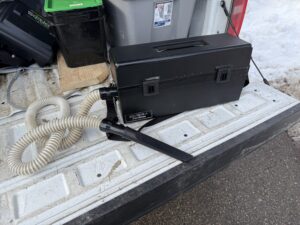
143 21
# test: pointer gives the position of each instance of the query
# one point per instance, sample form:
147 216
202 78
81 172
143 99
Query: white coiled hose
51 135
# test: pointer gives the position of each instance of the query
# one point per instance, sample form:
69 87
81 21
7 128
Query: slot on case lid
180 45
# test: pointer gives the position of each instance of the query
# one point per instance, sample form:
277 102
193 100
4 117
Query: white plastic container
208 18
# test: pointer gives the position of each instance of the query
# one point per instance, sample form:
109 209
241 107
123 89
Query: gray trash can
143 21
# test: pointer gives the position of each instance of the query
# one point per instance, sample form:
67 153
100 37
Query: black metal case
171 77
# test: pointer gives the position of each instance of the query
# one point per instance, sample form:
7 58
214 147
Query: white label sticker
163 14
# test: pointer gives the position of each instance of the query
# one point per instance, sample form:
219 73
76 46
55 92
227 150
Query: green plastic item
66 5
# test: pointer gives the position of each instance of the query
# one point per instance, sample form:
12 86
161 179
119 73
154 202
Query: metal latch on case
151 86
223 74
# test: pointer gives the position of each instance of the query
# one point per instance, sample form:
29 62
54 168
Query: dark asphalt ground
262 188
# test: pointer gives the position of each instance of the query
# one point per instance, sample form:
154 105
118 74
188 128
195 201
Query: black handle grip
138 137
180 45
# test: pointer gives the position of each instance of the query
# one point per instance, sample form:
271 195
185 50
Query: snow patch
273 28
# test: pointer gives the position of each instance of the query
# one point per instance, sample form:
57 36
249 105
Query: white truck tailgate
104 176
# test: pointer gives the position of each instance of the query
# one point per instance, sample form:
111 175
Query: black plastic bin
81 35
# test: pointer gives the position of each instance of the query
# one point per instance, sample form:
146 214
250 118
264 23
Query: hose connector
108 93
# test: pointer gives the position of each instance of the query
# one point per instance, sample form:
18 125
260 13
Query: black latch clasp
223 74
151 86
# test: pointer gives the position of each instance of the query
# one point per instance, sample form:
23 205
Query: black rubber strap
156 121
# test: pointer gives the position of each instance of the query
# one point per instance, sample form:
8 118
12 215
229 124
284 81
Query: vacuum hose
51 136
